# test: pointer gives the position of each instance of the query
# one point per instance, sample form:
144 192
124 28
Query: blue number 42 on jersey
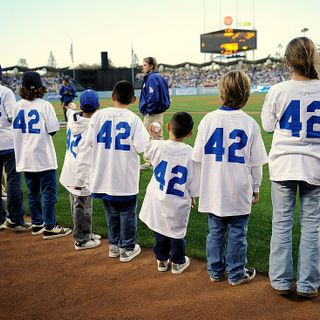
181 173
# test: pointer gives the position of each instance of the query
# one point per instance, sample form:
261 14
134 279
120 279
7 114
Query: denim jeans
235 258
168 248
14 191
281 269
81 210
122 222
42 183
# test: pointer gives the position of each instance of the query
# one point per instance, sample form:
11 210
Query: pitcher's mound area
48 279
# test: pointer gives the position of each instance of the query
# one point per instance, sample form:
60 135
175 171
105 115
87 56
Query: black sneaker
249 275
56 232
9 225
37 229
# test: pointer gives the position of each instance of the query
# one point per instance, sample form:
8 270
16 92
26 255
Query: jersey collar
227 108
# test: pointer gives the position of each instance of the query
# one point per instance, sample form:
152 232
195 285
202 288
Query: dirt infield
50 280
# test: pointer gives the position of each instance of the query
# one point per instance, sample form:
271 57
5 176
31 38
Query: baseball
72 106
156 127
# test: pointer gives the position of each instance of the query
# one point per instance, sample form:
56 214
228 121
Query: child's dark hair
301 55
181 124
123 92
32 94
234 89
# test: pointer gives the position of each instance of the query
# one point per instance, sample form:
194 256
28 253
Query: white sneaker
2 226
114 251
95 236
179 268
128 255
87 245
163 266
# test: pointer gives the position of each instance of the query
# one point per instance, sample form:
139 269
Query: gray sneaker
249 275
163 266
9 225
114 251
179 268
128 255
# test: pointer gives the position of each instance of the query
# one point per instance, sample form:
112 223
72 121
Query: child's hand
255 198
193 202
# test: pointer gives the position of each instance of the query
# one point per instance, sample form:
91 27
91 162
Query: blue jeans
42 183
168 248
281 269
122 222
235 258
14 191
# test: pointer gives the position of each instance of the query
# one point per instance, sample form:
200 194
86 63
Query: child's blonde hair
235 89
302 56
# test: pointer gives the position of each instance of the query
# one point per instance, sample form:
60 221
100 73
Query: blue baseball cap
89 100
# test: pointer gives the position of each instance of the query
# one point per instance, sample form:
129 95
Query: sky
166 29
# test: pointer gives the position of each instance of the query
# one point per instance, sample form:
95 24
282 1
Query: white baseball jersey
167 203
77 128
292 110
228 145
32 121
7 103
115 138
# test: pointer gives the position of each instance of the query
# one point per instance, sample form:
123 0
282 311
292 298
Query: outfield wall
186 91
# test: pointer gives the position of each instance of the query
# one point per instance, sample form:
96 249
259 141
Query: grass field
260 221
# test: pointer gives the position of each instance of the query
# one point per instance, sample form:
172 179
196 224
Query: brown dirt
48 279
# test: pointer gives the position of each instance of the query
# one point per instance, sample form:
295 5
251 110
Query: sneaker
249 275
9 225
218 279
95 236
56 232
37 229
2 226
163 265
283 292
307 295
92 243
146 165
128 255
179 268
114 251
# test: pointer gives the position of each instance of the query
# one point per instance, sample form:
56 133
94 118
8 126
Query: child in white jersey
231 151
80 200
291 110
34 124
110 153
167 203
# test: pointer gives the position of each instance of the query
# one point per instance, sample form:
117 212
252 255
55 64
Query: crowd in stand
208 77
52 83
263 74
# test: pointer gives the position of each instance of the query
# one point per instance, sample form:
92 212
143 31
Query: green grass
260 220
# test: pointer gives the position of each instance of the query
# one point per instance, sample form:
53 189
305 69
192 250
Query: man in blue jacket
154 97
67 93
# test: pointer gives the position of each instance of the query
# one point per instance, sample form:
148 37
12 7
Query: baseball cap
31 80
89 100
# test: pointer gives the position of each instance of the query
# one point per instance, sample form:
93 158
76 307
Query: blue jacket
154 97
67 93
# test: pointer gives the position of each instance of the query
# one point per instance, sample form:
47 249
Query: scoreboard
228 41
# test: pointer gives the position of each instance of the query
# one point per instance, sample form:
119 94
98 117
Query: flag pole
132 66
